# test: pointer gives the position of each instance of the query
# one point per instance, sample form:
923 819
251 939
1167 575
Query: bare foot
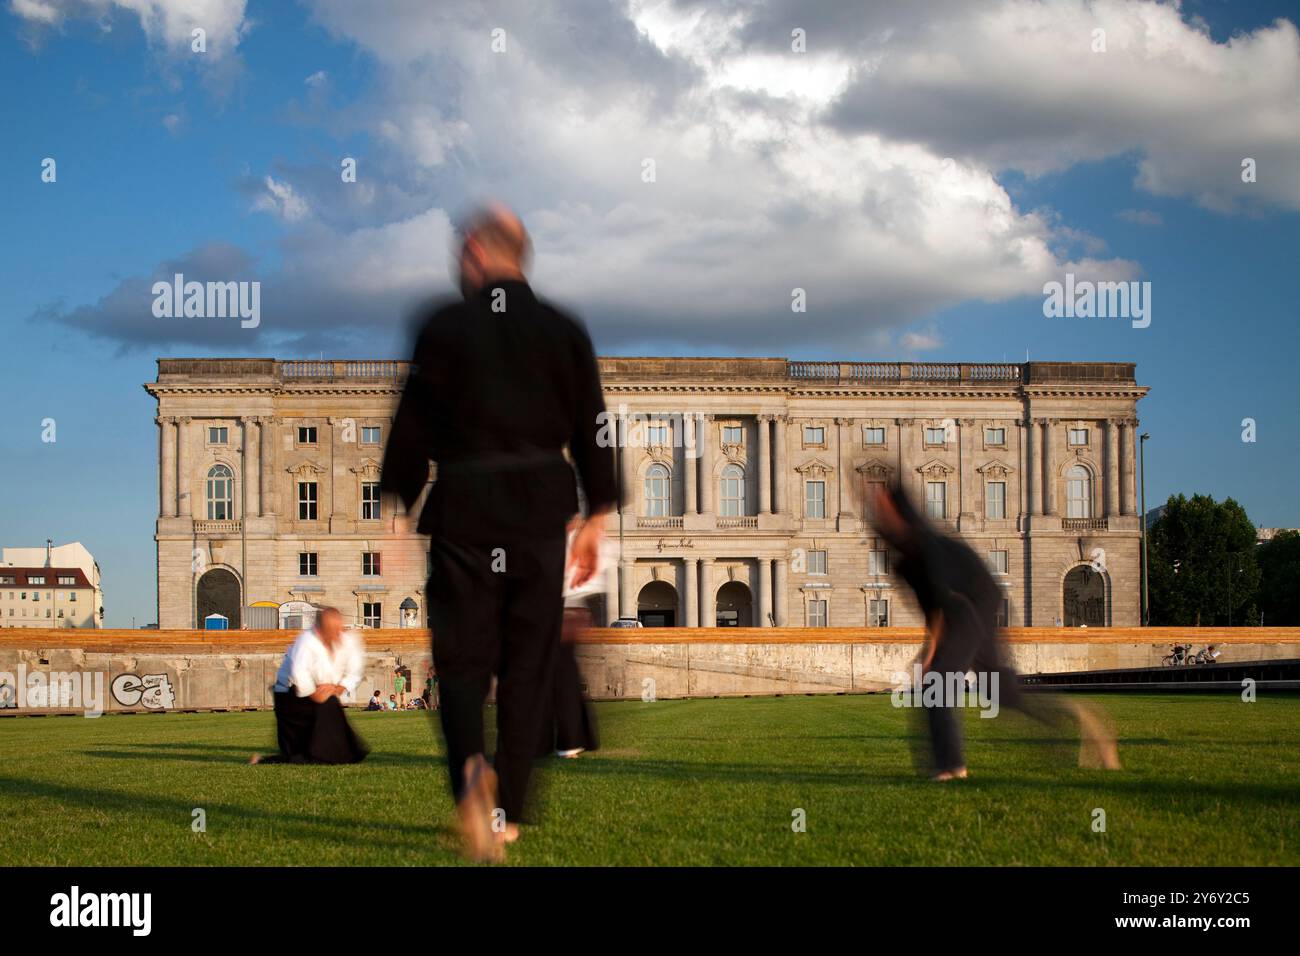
509 835
1097 746
945 775
255 759
475 810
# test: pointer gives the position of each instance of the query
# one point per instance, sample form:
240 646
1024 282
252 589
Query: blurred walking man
500 384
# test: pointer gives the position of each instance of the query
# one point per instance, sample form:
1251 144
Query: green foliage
1202 564
1279 589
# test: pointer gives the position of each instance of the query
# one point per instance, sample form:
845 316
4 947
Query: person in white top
320 672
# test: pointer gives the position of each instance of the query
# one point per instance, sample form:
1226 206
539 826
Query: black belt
502 461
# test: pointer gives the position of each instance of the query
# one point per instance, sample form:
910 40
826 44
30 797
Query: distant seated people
376 702
320 671
392 702
415 703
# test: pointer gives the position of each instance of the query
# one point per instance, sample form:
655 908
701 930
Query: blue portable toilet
216 622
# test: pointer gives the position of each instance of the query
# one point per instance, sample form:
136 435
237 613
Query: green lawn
1208 780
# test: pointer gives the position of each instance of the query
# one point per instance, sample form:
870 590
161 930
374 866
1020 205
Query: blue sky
918 191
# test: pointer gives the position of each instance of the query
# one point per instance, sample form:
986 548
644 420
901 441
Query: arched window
1078 492
733 491
220 493
657 491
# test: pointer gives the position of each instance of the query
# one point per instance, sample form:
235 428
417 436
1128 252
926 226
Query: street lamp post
1146 601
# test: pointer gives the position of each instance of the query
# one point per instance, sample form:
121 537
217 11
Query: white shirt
310 664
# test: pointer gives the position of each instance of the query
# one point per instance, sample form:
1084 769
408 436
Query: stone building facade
747 488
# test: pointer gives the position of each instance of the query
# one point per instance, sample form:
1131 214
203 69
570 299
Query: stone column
966 499
782 504
1128 469
691 590
1112 468
764 464
266 467
708 602
1034 476
844 480
690 464
626 599
781 590
906 474
611 594
1022 479
184 485
632 458
764 591
1049 467
706 468
167 467
251 453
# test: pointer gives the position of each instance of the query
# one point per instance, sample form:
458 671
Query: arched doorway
656 605
1083 598
735 605
218 593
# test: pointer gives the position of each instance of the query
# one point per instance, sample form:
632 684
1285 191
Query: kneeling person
321 670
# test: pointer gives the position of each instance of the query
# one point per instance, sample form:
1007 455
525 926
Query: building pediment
935 470
875 470
305 469
996 470
367 468
815 468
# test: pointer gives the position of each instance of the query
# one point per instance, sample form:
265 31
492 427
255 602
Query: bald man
500 385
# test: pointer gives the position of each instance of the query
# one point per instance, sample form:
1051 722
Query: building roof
21 577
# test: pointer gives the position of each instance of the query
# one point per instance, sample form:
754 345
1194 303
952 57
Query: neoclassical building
747 488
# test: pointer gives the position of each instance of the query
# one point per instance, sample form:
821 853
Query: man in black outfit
500 384
960 601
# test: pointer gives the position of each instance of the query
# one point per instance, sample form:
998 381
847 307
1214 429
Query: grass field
1208 781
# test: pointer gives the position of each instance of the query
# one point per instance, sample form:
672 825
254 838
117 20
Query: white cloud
167 23
280 199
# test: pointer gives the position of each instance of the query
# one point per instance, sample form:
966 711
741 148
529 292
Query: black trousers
309 732
572 725
495 608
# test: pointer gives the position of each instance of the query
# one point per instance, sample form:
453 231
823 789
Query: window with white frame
877 563
814 435
307 500
372 613
370 434
218 435
935 436
733 435
371 566
873 435
878 612
306 434
1078 436
732 492
307 564
998 561
936 499
656 434
658 486
67 579
220 493
369 500
816 562
995 499
1078 492
995 436
814 499
817 612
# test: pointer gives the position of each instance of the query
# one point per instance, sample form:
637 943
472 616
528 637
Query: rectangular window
934 436
218 435
370 434
814 435
816 562
936 499
1078 436
878 612
877 563
307 566
306 501
67 579
1004 613
814 499
372 613
998 562
817 614
36 579
72 596
370 565
369 500
306 434
873 436
995 499
8 579
995 436
733 435
656 434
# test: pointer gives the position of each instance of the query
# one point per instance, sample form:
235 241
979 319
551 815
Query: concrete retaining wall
188 670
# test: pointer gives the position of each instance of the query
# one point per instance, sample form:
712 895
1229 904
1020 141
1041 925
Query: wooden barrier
278 640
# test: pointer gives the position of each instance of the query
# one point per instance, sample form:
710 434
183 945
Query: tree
1279 586
1202 567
